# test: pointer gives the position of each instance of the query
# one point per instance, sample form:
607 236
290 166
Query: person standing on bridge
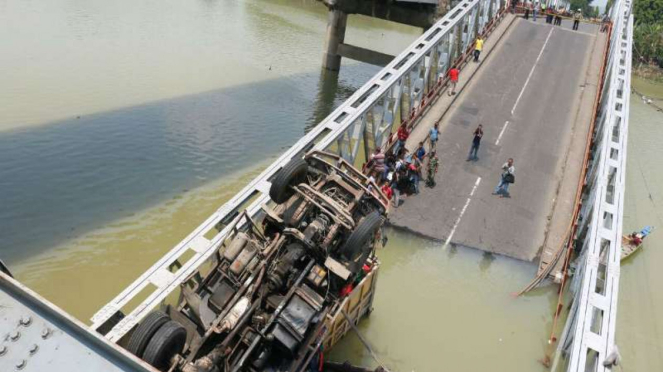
476 142
433 163
377 163
420 152
453 78
434 134
545 12
507 177
478 47
605 23
403 133
558 18
577 16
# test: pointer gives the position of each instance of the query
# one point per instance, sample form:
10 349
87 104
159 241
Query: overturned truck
277 288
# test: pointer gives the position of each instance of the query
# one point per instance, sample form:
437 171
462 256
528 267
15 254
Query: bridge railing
589 334
398 93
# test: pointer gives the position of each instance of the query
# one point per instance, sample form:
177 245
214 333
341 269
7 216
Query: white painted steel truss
589 335
367 118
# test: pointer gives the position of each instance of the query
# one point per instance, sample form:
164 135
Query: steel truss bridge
589 335
401 92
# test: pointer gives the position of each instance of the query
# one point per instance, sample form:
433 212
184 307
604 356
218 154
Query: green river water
182 103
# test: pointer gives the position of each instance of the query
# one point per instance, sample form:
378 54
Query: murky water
258 63
640 311
450 309
179 109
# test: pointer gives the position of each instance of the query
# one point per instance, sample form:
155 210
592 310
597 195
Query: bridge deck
527 94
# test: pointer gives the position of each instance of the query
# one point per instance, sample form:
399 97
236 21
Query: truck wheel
144 332
168 341
357 244
292 174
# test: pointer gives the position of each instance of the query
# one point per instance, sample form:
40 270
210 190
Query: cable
644 179
363 341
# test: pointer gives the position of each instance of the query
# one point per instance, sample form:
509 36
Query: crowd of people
399 172
554 15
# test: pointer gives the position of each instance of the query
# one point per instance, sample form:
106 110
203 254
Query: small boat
629 246
633 242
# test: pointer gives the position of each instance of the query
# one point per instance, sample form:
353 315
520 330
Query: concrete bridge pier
418 13
335 36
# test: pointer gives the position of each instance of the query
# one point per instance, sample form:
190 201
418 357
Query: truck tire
144 332
357 244
168 341
292 174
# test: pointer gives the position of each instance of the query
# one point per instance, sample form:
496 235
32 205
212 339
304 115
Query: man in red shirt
403 133
388 192
453 78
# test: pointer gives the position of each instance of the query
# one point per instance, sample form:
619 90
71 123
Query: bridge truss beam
589 334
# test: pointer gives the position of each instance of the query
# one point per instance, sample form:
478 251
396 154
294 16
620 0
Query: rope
653 202
363 341
642 96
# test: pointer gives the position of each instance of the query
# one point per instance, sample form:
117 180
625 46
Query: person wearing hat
577 16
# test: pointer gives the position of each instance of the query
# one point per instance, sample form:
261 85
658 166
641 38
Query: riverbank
648 72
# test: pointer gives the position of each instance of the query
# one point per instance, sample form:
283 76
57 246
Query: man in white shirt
507 177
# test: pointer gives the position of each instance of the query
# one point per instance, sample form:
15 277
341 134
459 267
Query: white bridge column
335 36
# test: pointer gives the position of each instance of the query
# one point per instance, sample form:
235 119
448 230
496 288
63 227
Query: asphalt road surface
526 96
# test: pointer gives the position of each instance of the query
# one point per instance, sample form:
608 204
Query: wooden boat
628 247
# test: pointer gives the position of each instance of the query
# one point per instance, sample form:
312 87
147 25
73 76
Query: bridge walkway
529 94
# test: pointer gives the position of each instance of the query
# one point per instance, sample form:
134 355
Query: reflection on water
257 61
65 178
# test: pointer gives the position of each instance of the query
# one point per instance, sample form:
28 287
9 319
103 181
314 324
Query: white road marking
462 212
532 71
566 29
580 32
501 133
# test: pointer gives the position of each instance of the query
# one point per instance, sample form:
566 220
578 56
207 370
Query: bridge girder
414 14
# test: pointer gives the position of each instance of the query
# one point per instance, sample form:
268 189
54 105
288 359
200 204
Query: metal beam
418 14
589 335
364 55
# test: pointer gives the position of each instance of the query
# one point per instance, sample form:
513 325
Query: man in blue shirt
434 133
420 152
